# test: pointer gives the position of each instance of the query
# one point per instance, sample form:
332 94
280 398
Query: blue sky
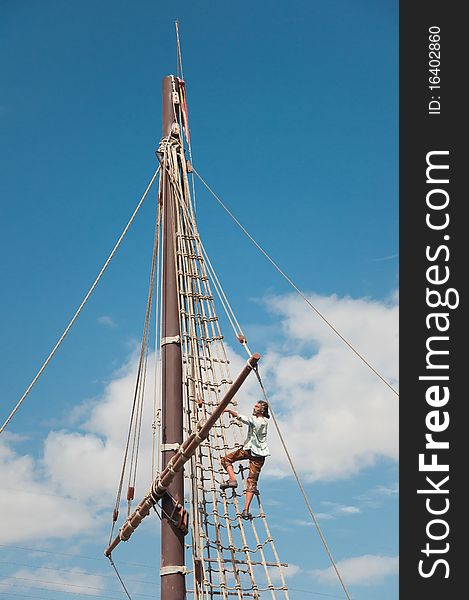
294 122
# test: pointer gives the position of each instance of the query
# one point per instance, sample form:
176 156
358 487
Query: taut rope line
285 276
300 485
239 332
120 578
75 316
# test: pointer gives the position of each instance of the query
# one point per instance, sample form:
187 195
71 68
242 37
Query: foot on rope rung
246 515
231 483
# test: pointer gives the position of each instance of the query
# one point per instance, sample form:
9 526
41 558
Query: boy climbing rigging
254 449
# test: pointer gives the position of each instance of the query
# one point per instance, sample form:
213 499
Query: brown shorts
255 465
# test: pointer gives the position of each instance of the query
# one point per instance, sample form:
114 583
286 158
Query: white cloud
340 510
107 321
336 415
273 502
74 581
64 492
335 511
291 570
349 510
387 491
82 466
94 457
288 572
361 570
26 492
374 497
275 574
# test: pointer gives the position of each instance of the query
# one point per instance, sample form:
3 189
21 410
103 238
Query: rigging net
231 557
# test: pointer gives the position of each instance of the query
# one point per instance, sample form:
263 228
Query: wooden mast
167 488
172 539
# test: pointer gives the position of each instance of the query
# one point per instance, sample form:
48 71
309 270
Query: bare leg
247 503
230 471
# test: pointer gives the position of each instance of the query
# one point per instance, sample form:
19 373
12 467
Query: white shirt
256 440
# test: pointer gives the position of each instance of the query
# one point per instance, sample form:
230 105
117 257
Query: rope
179 55
219 534
73 555
82 572
285 276
237 329
134 430
75 316
204 347
300 485
119 577
186 267
256 370
156 422
144 357
189 144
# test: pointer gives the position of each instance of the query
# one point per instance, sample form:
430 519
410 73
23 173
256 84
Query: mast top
170 103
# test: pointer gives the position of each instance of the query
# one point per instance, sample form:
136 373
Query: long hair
265 409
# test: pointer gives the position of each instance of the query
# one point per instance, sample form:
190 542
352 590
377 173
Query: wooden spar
172 538
175 465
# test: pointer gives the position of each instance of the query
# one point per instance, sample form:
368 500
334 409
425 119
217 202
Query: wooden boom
186 450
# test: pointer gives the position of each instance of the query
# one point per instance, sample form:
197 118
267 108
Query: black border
419 133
